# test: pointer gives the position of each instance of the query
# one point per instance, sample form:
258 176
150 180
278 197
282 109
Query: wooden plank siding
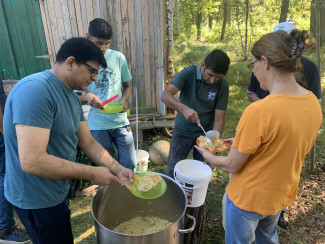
146 52
16 33
22 39
152 55
134 24
7 59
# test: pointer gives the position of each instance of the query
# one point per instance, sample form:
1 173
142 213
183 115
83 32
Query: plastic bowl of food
216 146
112 108
148 185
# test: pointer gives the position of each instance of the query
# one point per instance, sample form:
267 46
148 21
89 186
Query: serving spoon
212 135
208 139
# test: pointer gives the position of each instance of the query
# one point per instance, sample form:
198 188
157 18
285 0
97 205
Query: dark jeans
180 147
48 225
6 209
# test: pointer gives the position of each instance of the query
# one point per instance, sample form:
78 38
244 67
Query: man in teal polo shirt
203 101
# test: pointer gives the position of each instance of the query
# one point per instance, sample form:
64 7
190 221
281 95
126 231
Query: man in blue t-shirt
44 123
203 101
110 129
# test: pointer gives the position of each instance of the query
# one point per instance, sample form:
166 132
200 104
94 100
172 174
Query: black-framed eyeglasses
92 70
250 66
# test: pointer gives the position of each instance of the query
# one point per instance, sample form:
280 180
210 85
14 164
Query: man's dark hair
82 50
100 28
218 61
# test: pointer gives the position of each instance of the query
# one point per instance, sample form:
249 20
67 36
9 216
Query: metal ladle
212 135
208 139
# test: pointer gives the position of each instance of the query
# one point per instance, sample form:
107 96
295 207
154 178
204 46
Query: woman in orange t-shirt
272 138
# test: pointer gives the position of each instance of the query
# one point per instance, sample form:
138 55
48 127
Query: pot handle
192 227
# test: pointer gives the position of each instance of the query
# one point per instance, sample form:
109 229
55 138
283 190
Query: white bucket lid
193 172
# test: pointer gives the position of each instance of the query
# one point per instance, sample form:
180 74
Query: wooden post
200 215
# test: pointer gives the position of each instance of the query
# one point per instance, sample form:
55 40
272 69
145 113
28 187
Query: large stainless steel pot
112 205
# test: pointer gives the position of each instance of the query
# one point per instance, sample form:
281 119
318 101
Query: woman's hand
202 151
229 140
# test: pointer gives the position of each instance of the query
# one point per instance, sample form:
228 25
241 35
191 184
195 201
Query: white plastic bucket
142 160
194 176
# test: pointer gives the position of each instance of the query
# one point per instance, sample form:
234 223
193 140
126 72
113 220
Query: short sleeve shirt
310 77
254 87
267 131
108 84
203 98
40 100
310 80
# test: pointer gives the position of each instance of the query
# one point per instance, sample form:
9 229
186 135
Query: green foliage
195 53
263 16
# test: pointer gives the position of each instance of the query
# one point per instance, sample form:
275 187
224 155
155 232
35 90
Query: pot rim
162 175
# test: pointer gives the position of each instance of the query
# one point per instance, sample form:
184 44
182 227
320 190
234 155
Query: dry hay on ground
307 213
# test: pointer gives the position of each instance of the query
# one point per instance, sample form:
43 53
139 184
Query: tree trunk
198 22
312 23
238 25
322 23
170 67
315 24
246 29
229 13
200 215
177 17
318 31
317 16
210 21
218 15
224 22
284 11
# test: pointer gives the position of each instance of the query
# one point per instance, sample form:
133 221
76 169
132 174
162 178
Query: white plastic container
194 176
142 160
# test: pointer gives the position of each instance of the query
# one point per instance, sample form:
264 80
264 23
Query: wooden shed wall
134 24
22 39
